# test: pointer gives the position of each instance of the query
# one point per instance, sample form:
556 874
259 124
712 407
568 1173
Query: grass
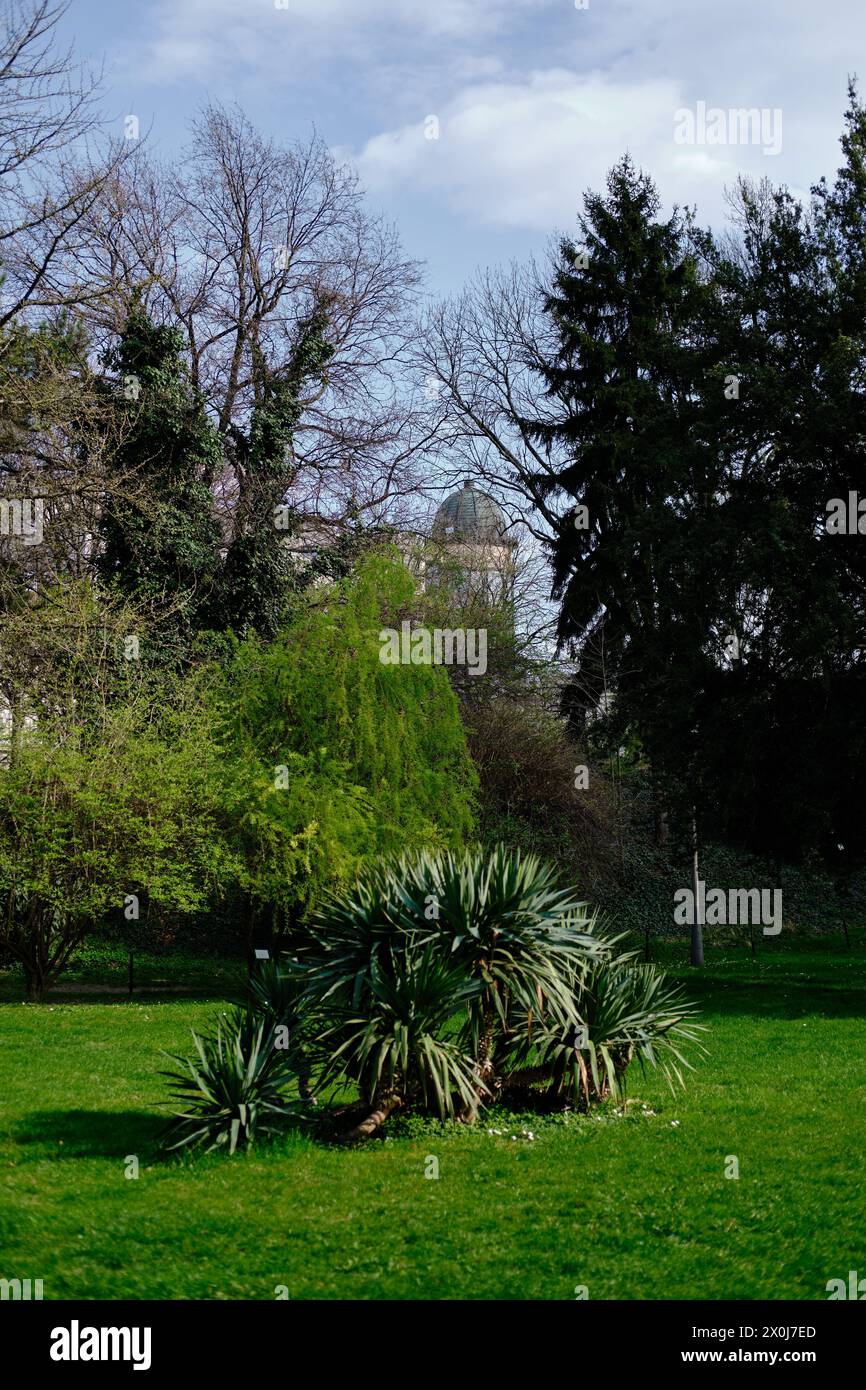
633 1207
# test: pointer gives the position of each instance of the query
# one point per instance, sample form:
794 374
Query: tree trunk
488 1082
35 983
697 927
385 1105
305 1090
661 828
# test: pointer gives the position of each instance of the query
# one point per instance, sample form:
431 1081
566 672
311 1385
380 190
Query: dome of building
470 515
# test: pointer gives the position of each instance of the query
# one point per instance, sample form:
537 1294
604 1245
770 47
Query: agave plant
400 1049
232 1090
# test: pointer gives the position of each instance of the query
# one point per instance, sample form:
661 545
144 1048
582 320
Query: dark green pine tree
258 574
786 742
638 558
160 538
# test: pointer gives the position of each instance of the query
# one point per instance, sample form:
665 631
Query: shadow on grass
777 998
73 1134
92 1133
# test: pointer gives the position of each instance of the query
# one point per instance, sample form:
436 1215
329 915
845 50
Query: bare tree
480 356
240 244
51 173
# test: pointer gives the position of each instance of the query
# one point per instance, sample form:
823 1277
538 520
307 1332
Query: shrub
448 974
527 761
442 981
233 1090
395 1045
627 1012
103 799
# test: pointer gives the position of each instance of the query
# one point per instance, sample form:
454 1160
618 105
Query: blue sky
534 98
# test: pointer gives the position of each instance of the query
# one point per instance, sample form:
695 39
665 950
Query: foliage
336 758
627 1011
270 780
259 572
160 538
631 556
108 796
533 795
233 1090
438 976
708 403
393 1040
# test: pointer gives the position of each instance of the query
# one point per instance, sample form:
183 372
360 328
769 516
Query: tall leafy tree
784 727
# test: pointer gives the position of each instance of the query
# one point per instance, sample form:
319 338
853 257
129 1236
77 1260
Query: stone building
470 548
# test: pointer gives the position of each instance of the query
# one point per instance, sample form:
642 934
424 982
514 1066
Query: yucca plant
503 919
627 1012
436 981
339 949
515 930
277 994
232 1090
401 1049
276 991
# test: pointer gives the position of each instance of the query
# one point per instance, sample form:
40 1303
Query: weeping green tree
334 757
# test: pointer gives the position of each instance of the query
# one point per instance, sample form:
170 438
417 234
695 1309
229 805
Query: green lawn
635 1207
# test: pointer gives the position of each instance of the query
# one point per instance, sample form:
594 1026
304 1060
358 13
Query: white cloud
520 154
535 99
201 39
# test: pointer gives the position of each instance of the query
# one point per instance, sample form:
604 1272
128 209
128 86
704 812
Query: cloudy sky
477 124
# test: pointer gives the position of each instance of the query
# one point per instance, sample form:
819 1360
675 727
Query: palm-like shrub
401 1047
627 1012
503 919
276 992
499 932
232 1090
438 982
277 995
